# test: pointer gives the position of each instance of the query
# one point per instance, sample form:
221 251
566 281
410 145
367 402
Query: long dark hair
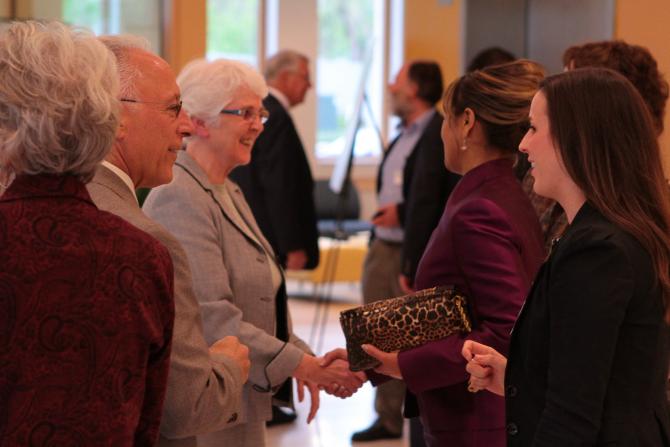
607 141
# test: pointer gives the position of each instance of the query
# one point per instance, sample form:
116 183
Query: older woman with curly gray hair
85 298
237 278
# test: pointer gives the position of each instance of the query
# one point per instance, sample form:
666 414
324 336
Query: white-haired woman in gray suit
238 281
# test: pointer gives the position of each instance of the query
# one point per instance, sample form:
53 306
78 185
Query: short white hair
284 60
58 100
121 46
207 87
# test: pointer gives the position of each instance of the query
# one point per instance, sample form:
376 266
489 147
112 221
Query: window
352 32
116 17
232 30
88 13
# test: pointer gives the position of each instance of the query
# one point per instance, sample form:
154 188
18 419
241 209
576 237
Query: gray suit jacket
203 390
231 277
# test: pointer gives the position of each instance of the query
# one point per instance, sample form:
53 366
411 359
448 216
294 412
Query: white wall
297 30
556 25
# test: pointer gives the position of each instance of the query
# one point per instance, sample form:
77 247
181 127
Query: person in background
278 183
430 182
204 386
236 276
588 359
86 308
412 186
635 63
488 245
490 56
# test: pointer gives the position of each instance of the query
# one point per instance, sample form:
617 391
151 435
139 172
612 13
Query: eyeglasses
172 109
249 113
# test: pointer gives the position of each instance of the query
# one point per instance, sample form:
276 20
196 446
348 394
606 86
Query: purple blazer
489 245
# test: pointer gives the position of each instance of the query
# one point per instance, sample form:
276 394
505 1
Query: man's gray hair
284 60
207 87
121 45
58 100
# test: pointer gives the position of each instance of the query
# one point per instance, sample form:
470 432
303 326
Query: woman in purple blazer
488 244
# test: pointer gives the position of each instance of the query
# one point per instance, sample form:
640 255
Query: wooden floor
337 419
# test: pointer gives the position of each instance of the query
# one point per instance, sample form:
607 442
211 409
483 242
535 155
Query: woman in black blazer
589 351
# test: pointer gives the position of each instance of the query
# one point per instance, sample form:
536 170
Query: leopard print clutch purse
404 322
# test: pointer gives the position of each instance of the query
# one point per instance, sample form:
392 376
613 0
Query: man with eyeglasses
278 182
205 383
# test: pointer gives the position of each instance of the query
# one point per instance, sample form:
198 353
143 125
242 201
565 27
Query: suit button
232 419
511 391
512 429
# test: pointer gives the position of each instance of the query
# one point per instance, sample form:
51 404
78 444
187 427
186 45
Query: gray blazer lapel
106 178
189 165
243 208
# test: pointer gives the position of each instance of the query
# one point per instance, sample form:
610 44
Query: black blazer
589 352
279 188
426 188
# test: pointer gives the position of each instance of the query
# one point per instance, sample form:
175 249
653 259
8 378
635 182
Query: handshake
330 373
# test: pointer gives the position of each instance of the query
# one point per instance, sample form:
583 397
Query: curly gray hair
58 100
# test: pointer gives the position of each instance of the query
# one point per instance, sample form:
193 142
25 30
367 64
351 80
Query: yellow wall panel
646 23
433 31
185 32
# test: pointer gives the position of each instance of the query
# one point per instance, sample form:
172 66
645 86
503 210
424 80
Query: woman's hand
314 394
390 366
335 378
486 367
405 284
334 356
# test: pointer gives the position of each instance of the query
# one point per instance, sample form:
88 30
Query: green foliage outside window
344 28
86 13
232 26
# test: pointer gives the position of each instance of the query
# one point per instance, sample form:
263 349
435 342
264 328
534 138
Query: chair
337 217
341 254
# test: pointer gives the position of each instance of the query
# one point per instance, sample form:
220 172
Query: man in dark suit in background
278 182
412 185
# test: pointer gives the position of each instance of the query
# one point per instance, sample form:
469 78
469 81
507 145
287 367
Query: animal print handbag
397 324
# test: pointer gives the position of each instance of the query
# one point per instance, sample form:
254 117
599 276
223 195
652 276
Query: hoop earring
464 146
